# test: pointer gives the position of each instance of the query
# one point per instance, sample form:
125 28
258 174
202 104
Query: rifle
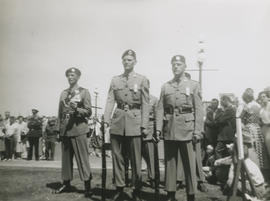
103 155
156 158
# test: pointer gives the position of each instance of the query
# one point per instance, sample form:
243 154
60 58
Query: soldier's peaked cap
129 52
178 58
73 70
35 110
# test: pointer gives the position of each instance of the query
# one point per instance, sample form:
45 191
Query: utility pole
96 96
200 61
201 57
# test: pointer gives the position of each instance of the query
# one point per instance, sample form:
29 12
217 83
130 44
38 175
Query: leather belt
126 106
178 110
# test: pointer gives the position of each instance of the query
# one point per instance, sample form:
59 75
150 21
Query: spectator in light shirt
11 132
21 138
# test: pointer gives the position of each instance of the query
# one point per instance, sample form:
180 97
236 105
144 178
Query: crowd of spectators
20 137
220 139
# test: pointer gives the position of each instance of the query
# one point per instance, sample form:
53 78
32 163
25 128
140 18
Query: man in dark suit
226 131
226 126
35 132
211 128
74 108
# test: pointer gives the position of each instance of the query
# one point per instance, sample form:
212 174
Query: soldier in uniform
130 92
148 143
35 132
50 137
74 109
181 106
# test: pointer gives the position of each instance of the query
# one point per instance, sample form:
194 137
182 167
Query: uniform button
125 94
176 98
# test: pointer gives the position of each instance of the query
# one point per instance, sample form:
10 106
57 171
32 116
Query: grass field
37 184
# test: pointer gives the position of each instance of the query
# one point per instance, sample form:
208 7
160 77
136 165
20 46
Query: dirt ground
37 184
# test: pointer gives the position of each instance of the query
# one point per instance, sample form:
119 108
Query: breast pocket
169 96
118 91
185 97
136 93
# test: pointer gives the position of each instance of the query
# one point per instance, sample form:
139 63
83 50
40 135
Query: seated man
254 172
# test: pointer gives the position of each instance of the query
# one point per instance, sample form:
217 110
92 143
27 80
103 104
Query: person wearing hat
227 126
74 109
226 132
180 120
130 93
35 132
50 137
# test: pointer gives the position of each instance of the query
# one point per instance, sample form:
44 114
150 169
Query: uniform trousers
33 142
50 149
148 156
77 146
199 170
189 163
120 144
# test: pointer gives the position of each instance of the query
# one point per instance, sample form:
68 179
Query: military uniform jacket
176 124
35 126
50 133
131 92
70 122
153 102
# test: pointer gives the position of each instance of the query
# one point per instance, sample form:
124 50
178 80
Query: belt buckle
176 111
126 107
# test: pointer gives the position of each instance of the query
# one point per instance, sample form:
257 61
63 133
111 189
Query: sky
40 39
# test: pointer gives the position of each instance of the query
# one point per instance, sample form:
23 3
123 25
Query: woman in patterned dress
251 119
264 99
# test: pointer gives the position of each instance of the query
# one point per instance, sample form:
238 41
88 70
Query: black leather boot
87 189
65 188
171 196
136 195
202 187
191 197
119 196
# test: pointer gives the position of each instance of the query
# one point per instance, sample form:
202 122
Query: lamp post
201 58
96 96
